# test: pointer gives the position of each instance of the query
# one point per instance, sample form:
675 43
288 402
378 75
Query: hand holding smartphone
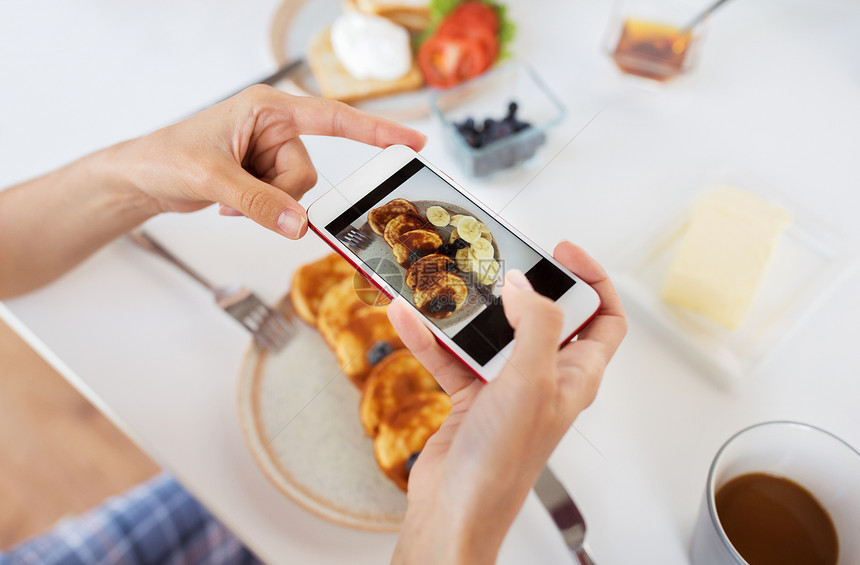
414 233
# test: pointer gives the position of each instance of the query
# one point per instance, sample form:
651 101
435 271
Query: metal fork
269 327
356 239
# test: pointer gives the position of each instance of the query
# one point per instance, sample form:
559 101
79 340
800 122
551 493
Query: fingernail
516 278
291 223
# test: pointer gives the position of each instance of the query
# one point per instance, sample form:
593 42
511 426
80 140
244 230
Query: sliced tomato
477 13
447 60
481 33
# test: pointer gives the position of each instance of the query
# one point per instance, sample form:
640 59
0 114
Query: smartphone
413 232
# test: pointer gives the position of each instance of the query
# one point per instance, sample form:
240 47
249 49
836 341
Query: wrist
439 531
436 535
114 169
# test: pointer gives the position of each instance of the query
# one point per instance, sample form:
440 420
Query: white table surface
776 96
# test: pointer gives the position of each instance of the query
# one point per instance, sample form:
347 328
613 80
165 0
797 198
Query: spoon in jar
701 16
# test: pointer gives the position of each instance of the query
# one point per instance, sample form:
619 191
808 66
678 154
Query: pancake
415 244
365 339
401 224
312 281
378 218
406 430
441 296
391 384
336 308
424 271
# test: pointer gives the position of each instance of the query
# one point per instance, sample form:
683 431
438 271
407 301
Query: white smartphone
414 232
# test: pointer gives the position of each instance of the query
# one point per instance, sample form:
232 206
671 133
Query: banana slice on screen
486 270
455 219
482 249
463 260
455 235
469 229
438 216
485 231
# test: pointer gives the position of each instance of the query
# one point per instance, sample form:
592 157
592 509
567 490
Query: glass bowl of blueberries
498 122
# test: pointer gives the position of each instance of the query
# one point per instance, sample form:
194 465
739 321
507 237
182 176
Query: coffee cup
780 492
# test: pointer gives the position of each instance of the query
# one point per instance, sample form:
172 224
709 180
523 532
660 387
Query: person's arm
473 475
244 153
50 224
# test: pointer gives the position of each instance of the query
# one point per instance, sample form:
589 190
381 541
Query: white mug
817 460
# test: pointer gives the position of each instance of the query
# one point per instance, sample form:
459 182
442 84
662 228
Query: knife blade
564 513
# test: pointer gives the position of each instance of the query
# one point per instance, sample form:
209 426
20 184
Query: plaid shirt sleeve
157 522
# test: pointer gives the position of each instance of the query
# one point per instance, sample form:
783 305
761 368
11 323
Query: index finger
609 326
316 116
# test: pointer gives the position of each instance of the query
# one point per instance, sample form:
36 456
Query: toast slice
414 15
337 83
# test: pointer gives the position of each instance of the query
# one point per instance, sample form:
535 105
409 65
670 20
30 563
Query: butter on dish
724 254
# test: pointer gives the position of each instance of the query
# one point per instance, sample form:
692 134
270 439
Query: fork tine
281 324
275 330
355 238
272 325
269 328
265 341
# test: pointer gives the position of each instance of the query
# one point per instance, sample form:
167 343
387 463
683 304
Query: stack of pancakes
401 404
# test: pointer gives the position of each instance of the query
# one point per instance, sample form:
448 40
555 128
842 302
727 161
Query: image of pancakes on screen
447 259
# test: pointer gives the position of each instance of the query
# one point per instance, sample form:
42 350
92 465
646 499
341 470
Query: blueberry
411 461
473 139
378 352
446 249
471 135
441 303
460 243
512 109
502 130
489 123
520 126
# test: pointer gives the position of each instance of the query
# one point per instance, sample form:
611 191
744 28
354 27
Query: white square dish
808 263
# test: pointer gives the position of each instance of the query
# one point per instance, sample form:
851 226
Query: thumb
537 323
265 204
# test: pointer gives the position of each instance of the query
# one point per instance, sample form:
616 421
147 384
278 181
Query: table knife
564 513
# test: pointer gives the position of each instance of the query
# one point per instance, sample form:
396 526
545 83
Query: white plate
808 263
296 22
299 415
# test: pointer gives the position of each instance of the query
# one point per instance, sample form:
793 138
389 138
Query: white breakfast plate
808 264
299 416
295 23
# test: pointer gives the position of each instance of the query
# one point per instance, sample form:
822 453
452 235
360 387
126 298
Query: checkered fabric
157 522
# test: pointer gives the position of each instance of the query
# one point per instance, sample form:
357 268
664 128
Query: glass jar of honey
647 39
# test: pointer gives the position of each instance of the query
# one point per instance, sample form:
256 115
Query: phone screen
444 254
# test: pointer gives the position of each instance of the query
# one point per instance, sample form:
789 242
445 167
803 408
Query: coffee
772 520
